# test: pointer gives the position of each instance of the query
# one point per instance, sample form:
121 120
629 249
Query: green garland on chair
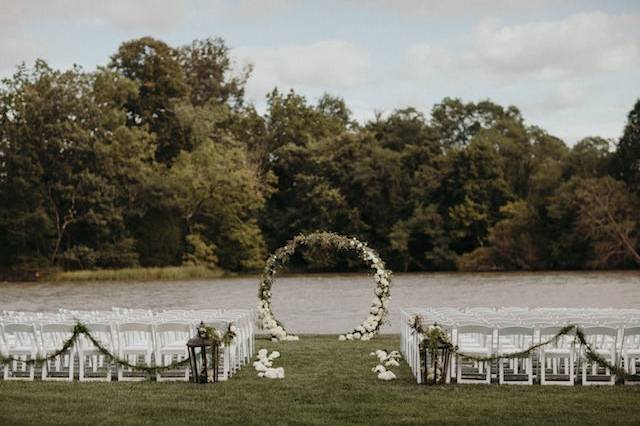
434 335
81 329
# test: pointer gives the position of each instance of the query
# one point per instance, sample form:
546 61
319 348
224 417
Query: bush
78 257
121 254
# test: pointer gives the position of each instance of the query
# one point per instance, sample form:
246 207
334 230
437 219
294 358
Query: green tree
625 162
457 123
66 151
472 191
588 158
206 67
154 66
514 242
218 192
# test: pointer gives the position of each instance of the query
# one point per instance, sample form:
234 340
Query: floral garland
434 335
218 337
379 306
81 329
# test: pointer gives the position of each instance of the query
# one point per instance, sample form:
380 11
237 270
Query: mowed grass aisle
327 382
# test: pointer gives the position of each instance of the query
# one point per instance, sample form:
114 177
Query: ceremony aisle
327 382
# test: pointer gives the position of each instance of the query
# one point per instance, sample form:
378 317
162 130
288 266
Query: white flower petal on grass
261 374
342 338
392 363
273 355
271 374
386 375
381 354
260 367
379 369
262 353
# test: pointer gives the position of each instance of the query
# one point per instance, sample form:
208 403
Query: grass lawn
327 382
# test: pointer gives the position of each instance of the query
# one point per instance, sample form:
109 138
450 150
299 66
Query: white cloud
149 15
243 9
325 65
425 60
581 44
14 51
564 96
464 8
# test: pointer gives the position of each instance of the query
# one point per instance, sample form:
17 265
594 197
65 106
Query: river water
334 303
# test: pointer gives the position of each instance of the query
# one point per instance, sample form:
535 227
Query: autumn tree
607 214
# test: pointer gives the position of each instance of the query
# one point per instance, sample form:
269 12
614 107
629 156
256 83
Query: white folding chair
603 341
87 351
631 352
552 355
171 341
512 340
20 342
474 340
135 340
53 337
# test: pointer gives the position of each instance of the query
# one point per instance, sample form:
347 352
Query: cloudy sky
572 67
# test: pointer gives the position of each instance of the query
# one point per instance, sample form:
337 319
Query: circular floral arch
382 279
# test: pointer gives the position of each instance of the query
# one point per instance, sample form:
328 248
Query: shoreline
193 273
165 273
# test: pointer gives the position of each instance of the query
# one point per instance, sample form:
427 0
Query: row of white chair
485 332
147 337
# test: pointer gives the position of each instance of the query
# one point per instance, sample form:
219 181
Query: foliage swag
219 338
434 337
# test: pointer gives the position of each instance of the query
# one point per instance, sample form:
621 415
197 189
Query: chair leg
571 368
81 359
71 365
119 370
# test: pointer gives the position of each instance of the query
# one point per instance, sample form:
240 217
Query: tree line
157 159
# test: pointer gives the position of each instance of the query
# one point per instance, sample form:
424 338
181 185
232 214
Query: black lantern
203 358
437 363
